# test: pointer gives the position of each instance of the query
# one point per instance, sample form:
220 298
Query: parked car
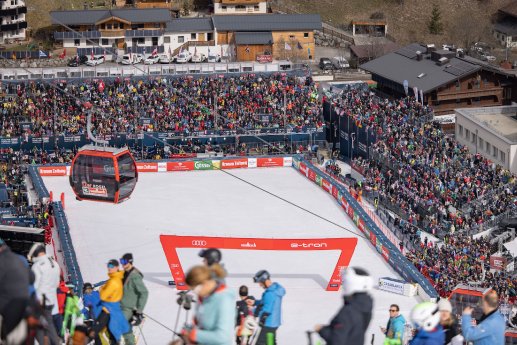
184 57
199 58
130 59
77 61
151 60
97 60
326 64
164 58
340 62
214 57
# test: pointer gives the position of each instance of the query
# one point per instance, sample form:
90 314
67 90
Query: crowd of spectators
426 174
181 105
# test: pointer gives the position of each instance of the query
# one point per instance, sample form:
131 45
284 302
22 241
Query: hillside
464 21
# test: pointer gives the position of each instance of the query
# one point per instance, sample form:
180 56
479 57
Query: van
340 62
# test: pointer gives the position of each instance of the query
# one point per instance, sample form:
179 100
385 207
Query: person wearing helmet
490 328
426 317
352 320
269 307
211 256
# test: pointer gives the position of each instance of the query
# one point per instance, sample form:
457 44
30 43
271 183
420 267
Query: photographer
215 312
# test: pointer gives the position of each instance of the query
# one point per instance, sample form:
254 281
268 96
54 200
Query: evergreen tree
435 24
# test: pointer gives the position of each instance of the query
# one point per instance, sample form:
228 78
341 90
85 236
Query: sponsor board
344 204
335 192
91 189
305 245
350 211
378 246
373 238
146 167
180 166
385 253
288 161
270 162
318 180
296 163
311 174
162 166
53 171
497 262
249 245
360 224
252 162
391 285
304 170
234 163
205 165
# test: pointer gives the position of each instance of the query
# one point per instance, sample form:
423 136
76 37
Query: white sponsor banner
391 285
252 162
162 166
288 161
68 170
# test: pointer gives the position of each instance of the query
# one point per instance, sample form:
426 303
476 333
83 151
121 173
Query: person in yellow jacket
111 315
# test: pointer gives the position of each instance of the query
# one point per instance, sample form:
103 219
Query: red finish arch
171 242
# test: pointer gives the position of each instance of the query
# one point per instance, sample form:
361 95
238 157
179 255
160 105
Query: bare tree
470 26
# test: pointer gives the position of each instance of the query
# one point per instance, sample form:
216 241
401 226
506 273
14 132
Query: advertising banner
311 174
360 224
53 170
326 185
162 166
335 192
180 166
171 243
252 162
288 161
497 262
317 180
351 212
234 163
147 167
373 238
344 204
304 170
270 162
205 165
392 285
385 253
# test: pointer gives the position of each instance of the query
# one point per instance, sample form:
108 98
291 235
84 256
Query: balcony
144 33
13 11
76 35
471 93
113 33
12 27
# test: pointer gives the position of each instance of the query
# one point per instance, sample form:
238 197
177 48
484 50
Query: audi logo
199 243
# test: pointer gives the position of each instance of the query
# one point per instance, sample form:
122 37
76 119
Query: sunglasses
111 266
393 310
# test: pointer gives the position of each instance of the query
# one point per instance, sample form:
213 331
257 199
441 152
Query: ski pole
309 335
142 334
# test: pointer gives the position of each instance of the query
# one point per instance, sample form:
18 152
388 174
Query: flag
415 90
155 51
63 54
421 96
287 46
130 55
299 46
170 51
42 54
91 55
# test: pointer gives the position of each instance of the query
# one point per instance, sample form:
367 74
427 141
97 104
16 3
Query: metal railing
58 35
143 33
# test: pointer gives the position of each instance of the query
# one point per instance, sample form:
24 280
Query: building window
495 152
108 26
488 147
474 138
121 25
458 86
240 8
77 42
103 26
467 135
94 42
166 39
193 36
181 39
223 8
305 35
503 157
460 130
481 143
256 8
291 37
104 42
115 25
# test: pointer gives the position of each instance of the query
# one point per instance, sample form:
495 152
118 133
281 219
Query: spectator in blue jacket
91 302
269 308
490 328
395 327
426 317
214 323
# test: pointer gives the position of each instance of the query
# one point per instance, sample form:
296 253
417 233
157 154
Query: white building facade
491 132
13 23
240 7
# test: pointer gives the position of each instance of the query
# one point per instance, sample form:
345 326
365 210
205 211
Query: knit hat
127 259
444 305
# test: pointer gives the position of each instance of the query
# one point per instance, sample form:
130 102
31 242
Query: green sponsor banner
356 218
318 180
203 165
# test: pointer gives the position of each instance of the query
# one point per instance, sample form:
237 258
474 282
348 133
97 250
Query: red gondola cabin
103 174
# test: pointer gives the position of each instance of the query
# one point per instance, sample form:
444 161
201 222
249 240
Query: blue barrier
37 182
372 232
69 257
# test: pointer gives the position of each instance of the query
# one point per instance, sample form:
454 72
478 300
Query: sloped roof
510 9
253 38
365 50
267 22
189 25
402 65
90 17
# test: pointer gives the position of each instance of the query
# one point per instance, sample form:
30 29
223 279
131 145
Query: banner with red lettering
234 163
334 191
180 166
326 185
304 169
270 162
171 243
312 175
497 263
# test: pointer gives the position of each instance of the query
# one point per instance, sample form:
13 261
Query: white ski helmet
355 280
426 316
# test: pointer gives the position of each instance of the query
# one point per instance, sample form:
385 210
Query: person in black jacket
14 291
244 310
449 323
350 324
